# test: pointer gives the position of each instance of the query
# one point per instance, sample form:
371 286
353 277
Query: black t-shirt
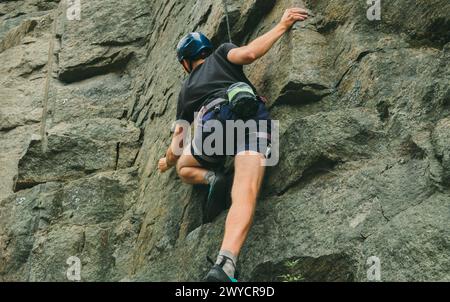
208 81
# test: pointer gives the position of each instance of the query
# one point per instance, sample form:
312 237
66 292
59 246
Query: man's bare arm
171 158
259 47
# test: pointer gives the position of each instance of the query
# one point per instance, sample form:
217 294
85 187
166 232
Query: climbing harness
227 18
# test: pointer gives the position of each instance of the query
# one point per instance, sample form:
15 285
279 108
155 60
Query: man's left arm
259 47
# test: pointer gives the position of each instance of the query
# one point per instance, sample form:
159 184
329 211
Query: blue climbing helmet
192 46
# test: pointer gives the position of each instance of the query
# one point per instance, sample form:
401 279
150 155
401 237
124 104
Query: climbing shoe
216 274
217 200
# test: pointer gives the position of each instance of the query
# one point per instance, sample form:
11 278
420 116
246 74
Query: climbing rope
51 47
225 7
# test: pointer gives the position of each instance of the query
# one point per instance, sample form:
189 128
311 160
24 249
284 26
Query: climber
211 73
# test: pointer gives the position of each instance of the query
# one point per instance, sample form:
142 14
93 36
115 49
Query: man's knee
186 174
182 170
179 166
245 190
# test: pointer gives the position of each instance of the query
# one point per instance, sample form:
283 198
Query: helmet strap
184 63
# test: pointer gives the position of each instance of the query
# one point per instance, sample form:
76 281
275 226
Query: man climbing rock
217 88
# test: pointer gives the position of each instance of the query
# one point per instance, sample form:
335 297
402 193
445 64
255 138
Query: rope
225 6
51 47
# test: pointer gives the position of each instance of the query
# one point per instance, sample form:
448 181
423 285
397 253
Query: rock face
364 109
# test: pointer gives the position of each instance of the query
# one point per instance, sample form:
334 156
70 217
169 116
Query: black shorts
211 146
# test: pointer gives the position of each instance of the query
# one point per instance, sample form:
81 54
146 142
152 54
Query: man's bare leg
190 171
249 174
248 177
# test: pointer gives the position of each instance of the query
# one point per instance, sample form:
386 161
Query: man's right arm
171 158
259 47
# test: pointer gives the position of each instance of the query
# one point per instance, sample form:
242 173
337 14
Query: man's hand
162 165
291 16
